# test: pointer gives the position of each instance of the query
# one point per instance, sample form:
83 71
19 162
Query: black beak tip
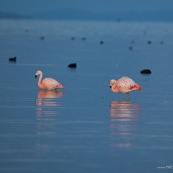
35 76
110 86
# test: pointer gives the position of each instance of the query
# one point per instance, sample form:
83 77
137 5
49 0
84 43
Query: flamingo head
60 85
112 83
38 73
113 86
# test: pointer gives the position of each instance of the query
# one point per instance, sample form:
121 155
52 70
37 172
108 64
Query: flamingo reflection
47 98
47 107
124 120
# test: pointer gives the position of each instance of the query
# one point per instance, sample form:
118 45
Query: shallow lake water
85 127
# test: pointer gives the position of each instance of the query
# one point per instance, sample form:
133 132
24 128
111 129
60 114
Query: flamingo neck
40 85
115 88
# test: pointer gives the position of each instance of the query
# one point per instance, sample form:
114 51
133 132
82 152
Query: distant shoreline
158 16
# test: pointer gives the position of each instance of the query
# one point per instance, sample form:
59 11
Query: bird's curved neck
115 88
40 82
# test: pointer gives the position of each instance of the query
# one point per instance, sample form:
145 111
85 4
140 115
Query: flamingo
124 85
47 83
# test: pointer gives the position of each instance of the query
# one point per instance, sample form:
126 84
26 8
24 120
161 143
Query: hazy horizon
156 10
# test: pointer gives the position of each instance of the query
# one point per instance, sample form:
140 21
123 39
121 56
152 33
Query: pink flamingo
124 85
47 83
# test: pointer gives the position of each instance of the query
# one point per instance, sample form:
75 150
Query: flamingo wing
50 83
126 85
136 87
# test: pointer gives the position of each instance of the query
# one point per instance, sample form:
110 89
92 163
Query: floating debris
83 38
42 38
72 65
12 59
26 30
73 38
149 41
101 42
118 20
146 71
130 48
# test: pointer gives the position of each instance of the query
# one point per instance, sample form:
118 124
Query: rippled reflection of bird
49 94
124 118
48 98
124 85
124 110
47 83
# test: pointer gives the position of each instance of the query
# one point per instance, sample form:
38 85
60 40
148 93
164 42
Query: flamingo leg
124 96
128 96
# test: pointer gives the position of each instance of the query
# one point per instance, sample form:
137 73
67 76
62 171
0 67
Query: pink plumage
124 85
47 83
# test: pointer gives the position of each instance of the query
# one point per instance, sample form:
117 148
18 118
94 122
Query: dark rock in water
101 42
42 38
12 59
72 65
149 42
83 38
130 48
118 20
146 71
73 38
144 32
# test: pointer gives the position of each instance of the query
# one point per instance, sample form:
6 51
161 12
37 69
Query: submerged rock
73 38
146 71
42 38
12 59
161 42
130 48
101 42
72 65
149 41
83 38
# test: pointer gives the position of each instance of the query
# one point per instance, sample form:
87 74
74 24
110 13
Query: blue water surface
85 127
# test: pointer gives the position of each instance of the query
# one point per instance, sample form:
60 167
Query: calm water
85 128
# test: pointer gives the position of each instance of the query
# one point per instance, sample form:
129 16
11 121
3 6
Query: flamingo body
124 85
47 83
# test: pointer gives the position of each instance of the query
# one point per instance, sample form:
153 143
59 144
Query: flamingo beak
35 76
110 86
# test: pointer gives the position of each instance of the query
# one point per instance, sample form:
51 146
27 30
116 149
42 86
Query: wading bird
124 85
47 83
